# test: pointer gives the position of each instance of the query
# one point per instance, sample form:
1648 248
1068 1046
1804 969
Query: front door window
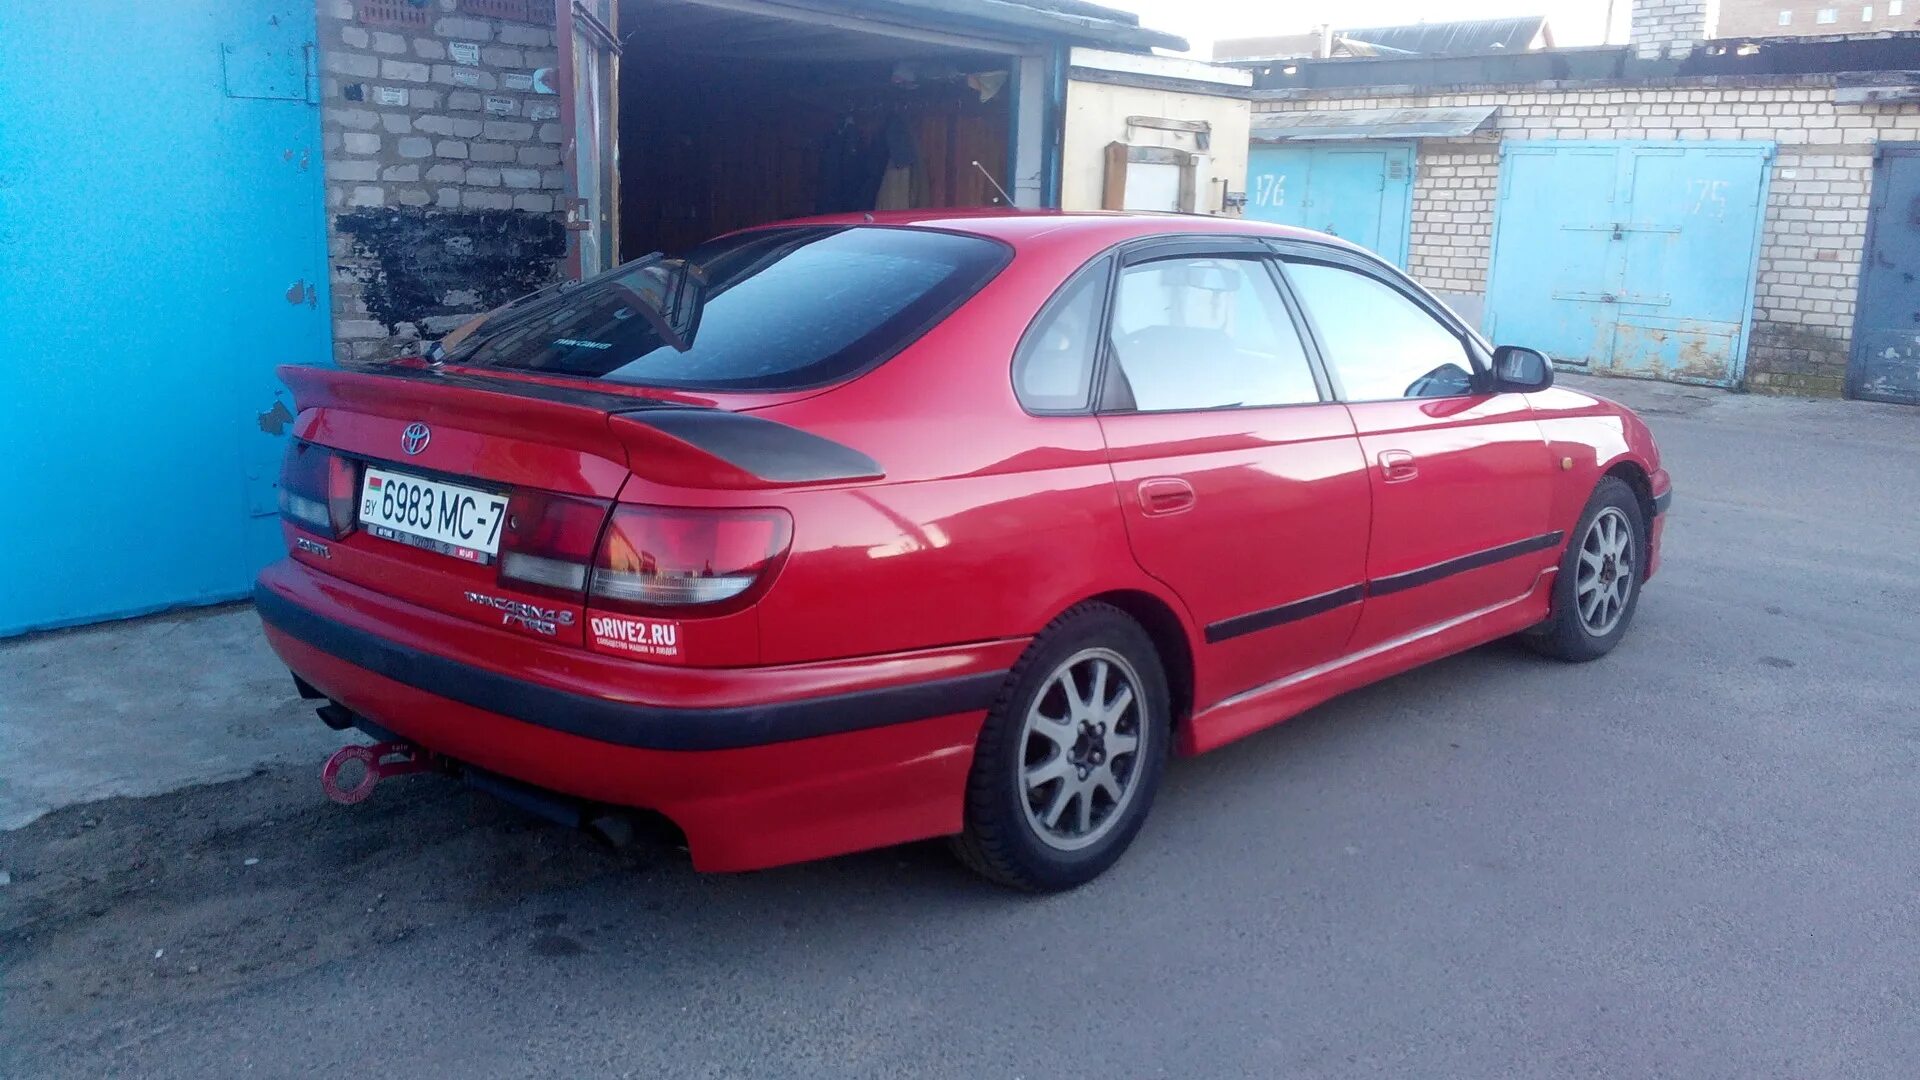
1379 345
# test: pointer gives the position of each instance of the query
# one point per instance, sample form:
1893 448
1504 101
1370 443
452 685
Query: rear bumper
757 766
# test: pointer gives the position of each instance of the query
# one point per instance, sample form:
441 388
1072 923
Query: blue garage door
161 212
1361 191
1886 331
1630 258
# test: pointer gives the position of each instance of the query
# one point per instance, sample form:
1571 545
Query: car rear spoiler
667 442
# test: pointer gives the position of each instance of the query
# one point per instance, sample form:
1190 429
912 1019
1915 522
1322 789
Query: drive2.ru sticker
635 637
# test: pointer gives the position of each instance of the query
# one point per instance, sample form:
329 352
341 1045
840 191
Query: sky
1574 22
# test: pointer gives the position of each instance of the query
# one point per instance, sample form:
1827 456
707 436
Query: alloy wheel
1604 577
1081 748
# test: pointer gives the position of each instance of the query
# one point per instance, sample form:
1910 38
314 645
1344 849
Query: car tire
1597 590
1062 779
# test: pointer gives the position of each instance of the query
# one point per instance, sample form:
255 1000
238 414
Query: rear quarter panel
989 521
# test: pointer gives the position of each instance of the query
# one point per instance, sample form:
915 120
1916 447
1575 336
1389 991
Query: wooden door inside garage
734 113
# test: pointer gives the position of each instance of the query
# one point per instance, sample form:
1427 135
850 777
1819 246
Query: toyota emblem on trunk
415 438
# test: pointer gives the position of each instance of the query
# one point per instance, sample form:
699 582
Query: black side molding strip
650 727
1285 613
1662 501
1427 575
1234 627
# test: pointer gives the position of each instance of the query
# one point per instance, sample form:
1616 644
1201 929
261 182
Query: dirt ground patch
137 902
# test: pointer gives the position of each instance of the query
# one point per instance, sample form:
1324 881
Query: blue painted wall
162 219
1358 191
1633 258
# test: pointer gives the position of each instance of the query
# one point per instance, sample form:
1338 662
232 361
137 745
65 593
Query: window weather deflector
519 312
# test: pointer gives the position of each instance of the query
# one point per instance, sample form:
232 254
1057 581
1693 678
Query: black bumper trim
1662 501
649 727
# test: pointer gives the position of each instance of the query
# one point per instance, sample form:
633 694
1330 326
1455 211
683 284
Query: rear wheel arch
1170 639
1009 838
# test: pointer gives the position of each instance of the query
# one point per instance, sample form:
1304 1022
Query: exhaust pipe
613 830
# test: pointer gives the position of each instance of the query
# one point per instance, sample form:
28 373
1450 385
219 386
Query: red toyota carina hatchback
857 531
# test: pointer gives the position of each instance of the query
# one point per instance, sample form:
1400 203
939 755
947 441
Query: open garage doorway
733 113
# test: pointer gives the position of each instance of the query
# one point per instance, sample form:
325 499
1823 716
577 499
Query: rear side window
1207 333
779 309
1053 371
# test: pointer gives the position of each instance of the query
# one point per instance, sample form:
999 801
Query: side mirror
1518 370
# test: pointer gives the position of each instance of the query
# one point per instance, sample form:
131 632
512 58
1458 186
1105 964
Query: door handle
1165 495
1397 465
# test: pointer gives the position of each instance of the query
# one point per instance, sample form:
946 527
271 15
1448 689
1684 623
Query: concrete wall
1817 207
443 175
1097 112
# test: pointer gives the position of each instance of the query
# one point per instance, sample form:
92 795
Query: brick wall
1817 205
1761 18
1672 27
1452 236
443 177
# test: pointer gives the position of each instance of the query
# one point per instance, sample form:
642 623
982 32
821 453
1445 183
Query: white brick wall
1453 191
1816 209
414 139
1672 27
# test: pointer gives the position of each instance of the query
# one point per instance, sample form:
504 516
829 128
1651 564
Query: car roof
1094 229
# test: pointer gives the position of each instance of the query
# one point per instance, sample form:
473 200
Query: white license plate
459 521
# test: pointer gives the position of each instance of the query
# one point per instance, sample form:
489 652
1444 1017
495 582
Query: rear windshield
776 309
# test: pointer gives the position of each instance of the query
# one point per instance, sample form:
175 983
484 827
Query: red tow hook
375 767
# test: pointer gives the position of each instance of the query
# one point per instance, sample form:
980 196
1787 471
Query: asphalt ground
1694 858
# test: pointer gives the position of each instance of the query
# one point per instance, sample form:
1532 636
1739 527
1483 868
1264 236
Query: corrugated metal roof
1271 47
1346 46
1075 20
1463 37
1334 124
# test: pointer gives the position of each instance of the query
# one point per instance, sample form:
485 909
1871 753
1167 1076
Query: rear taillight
317 489
653 558
548 543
